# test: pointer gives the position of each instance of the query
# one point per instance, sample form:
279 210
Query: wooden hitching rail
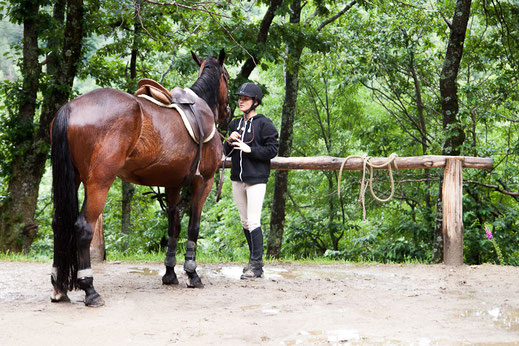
452 192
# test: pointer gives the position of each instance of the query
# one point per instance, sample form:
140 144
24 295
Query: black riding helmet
251 90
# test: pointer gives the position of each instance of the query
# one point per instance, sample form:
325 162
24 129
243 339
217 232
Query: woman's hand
240 145
234 137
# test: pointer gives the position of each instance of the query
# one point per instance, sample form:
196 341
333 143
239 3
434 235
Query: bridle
225 76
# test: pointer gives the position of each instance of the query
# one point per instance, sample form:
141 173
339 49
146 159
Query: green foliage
16 135
149 224
10 35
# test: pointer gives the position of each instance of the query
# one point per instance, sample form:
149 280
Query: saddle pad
189 121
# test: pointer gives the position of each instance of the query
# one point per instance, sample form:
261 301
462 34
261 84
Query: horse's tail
66 208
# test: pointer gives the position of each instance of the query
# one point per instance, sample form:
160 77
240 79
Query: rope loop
366 163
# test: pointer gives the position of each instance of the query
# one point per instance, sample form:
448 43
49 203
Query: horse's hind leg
200 191
59 293
173 198
95 198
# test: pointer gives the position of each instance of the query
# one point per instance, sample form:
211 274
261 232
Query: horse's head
222 110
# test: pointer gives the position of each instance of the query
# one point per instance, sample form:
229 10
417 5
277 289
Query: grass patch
158 256
135 256
23 257
201 257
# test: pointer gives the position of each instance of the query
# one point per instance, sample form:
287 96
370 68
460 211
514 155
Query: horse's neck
207 98
207 87
214 109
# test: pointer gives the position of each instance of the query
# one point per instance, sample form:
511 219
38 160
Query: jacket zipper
243 138
241 158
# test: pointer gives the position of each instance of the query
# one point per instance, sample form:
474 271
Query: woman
252 144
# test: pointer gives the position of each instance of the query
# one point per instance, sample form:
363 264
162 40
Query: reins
363 185
222 173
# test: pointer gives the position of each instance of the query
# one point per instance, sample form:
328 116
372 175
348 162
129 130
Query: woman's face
244 103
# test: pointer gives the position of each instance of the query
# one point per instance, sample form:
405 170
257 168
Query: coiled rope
363 185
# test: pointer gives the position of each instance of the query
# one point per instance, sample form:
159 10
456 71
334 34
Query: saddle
196 114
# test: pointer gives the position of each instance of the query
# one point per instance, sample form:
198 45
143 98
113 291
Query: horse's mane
206 86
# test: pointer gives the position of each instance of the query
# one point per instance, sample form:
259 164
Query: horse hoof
94 300
59 298
195 284
194 281
170 279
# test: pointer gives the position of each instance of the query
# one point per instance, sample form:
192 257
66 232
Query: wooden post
453 212
97 246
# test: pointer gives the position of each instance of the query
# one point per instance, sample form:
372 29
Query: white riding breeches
249 200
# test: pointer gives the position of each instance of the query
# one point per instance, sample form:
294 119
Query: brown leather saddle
196 114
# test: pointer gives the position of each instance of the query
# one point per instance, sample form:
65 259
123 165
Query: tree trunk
454 135
452 127
294 50
277 218
264 28
17 213
431 216
128 190
17 226
437 243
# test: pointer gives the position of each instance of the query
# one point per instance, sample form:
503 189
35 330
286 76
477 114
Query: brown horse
106 134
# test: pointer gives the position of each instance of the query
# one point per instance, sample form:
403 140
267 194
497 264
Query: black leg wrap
190 263
92 298
171 254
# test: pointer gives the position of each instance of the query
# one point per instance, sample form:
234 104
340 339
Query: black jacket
261 135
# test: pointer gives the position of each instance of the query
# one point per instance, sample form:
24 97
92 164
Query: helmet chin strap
252 107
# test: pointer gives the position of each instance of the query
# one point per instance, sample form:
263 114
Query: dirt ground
293 304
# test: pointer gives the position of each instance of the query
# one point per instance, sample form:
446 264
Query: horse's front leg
172 199
200 191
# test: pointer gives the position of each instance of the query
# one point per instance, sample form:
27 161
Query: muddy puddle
501 318
144 271
275 273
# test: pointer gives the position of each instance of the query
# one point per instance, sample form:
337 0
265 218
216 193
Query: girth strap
200 143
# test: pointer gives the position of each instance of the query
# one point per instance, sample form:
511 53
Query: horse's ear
221 57
195 58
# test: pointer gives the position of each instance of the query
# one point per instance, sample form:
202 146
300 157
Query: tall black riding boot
247 236
256 258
